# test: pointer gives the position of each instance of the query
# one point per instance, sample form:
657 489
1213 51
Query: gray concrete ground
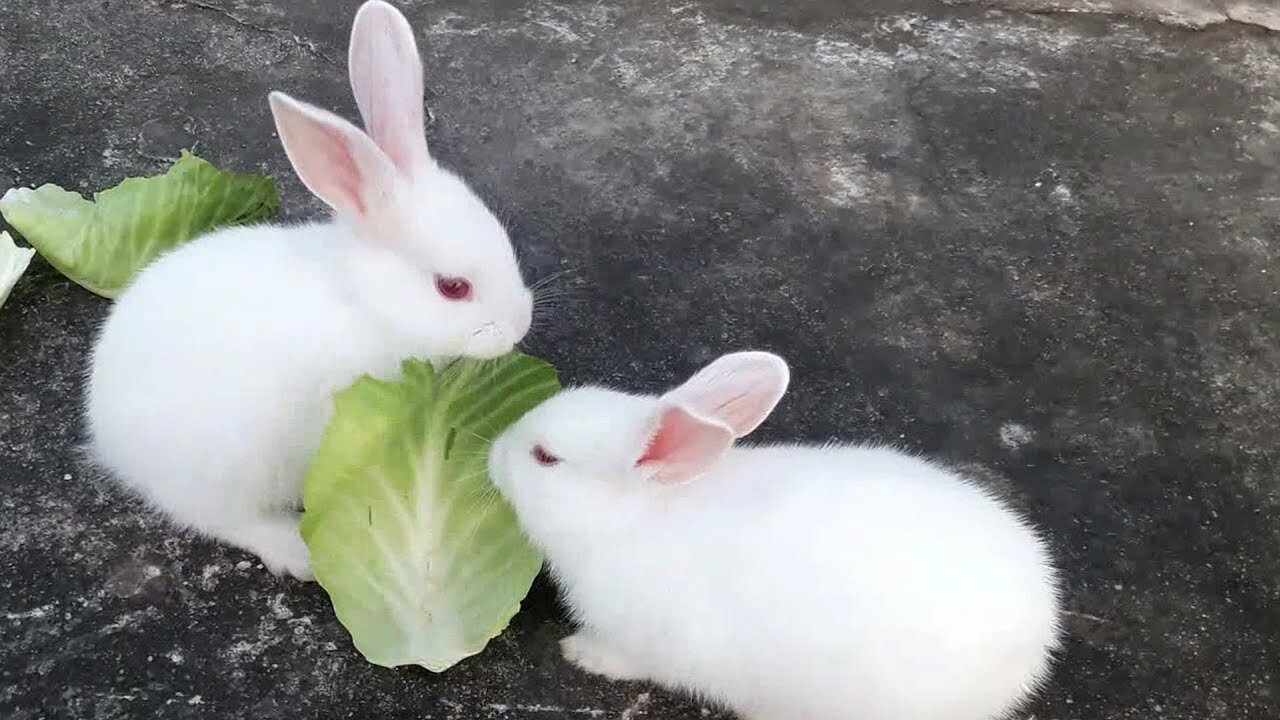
1042 240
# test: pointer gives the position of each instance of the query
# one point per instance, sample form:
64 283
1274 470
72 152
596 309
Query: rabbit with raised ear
785 582
212 378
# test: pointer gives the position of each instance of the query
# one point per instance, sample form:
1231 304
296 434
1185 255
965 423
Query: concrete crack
288 37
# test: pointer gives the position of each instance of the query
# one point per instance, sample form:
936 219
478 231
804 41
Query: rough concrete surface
1189 13
1044 242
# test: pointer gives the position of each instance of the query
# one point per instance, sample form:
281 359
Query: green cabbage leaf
423 560
102 243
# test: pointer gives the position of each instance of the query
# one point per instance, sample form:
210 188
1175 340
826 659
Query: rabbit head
428 261
590 461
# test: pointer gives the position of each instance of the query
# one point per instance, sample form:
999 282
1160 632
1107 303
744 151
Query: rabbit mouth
490 341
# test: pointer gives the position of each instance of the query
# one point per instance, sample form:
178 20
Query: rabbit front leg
276 540
586 651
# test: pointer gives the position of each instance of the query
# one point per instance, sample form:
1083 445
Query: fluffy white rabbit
784 582
212 379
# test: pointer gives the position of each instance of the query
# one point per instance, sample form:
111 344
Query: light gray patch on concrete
1014 435
680 82
1185 13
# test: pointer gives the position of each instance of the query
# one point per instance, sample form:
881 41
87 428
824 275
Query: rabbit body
821 584
786 582
213 377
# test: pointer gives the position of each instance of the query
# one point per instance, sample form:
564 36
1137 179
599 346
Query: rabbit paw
278 543
588 654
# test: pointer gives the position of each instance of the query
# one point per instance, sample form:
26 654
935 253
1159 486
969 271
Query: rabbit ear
386 78
683 445
338 163
738 390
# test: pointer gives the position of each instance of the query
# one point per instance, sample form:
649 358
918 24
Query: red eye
453 288
543 457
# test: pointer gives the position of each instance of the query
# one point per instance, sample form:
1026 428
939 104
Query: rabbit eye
453 288
543 457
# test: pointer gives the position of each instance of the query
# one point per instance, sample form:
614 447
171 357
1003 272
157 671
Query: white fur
787 582
213 376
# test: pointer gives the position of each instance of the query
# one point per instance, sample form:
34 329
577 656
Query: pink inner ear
684 445
662 447
345 172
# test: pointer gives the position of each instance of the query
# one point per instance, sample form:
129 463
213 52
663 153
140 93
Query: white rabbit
213 376
785 582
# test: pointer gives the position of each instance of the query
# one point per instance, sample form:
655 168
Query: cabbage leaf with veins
422 558
102 243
